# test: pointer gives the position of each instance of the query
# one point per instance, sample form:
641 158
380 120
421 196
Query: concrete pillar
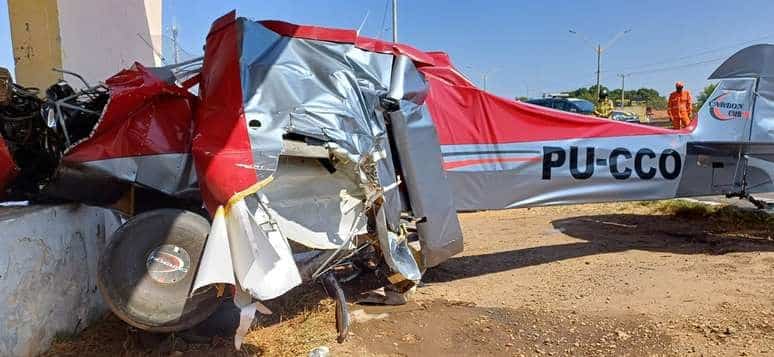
36 43
95 38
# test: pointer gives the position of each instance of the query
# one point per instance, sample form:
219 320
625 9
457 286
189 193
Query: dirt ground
610 279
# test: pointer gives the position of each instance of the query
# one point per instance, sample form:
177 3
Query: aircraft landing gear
147 270
333 289
765 205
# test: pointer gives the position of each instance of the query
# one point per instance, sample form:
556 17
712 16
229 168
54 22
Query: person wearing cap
680 106
604 107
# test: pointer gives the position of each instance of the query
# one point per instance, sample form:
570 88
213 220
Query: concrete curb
48 266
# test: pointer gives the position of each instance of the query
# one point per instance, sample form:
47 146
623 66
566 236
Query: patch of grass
296 336
722 217
684 208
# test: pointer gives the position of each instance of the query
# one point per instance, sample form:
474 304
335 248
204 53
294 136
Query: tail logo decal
724 108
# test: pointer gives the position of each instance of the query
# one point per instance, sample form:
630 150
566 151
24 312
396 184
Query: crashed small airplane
298 153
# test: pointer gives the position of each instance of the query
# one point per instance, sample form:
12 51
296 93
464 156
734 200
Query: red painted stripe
472 162
221 145
348 36
311 32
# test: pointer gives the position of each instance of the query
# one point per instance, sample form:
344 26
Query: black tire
140 293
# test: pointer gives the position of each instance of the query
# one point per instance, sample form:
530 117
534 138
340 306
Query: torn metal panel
316 91
330 92
172 174
262 259
420 160
430 195
220 144
145 115
396 250
323 90
216 265
312 206
141 137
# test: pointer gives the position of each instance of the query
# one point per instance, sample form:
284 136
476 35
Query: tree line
645 96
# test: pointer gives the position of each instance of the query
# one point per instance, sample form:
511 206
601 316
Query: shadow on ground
615 233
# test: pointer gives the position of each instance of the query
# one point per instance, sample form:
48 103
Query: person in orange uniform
680 106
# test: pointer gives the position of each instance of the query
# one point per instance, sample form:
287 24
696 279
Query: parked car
575 105
628 117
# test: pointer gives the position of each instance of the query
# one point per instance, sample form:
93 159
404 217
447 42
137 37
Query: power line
694 55
156 52
669 68
384 19
645 70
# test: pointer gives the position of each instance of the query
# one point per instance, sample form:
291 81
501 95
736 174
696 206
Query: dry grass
303 319
314 325
101 339
717 217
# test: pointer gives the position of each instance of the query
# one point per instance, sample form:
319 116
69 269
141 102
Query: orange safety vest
680 108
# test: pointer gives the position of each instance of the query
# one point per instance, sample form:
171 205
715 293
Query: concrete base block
48 267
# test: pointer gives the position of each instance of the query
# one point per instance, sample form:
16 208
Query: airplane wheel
147 270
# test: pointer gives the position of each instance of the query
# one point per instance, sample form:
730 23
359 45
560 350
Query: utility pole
623 87
599 49
486 76
395 21
599 66
175 48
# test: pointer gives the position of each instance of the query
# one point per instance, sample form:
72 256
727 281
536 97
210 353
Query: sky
525 46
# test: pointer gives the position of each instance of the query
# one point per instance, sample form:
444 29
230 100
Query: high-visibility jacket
604 108
680 108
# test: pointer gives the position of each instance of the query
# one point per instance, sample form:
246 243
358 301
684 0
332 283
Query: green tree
649 96
703 96
589 93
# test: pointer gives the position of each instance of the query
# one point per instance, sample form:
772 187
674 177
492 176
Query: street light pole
623 87
486 75
599 66
598 48
175 48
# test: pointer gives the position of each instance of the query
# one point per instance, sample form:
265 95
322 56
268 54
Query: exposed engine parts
38 129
